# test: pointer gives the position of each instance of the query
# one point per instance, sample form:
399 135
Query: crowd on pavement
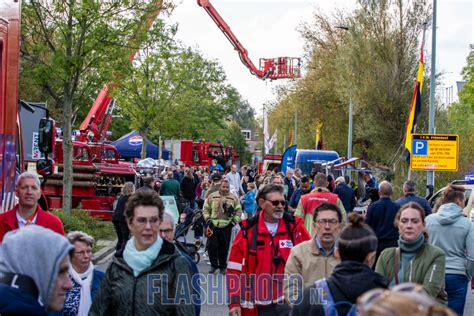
287 244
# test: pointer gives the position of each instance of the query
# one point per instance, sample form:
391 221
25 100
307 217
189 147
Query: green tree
372 60
461 116
173 92
71 48
457 118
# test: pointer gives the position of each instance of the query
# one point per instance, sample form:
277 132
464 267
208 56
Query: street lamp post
431 127
349 130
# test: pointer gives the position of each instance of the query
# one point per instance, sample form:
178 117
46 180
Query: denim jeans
456 287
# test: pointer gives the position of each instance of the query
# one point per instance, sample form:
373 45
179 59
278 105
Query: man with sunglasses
315 259
255 271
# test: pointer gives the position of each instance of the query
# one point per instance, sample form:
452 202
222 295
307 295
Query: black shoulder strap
289 219
396 260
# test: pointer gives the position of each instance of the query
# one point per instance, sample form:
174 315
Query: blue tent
130 146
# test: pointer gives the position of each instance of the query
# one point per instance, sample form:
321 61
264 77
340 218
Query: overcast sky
267 28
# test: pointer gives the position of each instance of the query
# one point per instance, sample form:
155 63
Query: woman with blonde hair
404 299
118 218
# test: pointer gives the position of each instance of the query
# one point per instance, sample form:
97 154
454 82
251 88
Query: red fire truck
191 153
11 154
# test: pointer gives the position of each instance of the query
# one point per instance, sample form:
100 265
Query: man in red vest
256 266
319 195
27 211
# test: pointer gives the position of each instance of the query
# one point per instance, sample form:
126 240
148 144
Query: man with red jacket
27 211
318 196
255 270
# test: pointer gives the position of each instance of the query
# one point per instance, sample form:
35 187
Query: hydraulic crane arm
96 124
271 68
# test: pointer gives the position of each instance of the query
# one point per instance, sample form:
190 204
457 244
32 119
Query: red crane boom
270 68
96 124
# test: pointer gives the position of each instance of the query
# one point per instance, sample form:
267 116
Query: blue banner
288 159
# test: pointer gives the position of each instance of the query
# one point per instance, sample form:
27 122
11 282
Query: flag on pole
291 138
318 141
273 140
415 107
320 145
266 135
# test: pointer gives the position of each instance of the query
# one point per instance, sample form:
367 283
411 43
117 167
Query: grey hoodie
36 252
449 230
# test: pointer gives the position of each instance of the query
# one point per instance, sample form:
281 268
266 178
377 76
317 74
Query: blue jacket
454 234
14 301
250 205
371 185
413 198
381 217
289 188
347 196
296 196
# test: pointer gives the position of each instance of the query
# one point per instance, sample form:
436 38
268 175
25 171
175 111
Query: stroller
193 218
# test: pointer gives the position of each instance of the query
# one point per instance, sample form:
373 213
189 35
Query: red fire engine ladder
270 68
96 124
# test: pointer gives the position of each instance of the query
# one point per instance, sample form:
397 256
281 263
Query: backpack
327 300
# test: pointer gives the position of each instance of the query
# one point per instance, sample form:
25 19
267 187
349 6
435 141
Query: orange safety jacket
256 266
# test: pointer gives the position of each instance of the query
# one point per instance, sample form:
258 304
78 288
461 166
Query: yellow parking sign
436 152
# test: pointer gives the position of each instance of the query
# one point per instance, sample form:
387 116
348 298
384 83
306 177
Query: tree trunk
67 149
144 136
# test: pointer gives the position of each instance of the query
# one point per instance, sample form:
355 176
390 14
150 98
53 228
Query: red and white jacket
8 221
255 271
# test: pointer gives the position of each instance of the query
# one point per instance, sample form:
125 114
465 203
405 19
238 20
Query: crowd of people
287 244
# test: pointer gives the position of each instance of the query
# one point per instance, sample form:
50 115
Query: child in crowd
250 205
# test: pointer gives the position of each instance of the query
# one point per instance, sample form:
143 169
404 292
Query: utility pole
431 127
264 147
296 125
349 132
349 136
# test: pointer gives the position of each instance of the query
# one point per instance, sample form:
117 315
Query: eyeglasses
324 222
166 231
277 202
83 253
142 221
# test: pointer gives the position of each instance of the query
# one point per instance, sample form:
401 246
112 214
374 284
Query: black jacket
348 281
118 215
413 198
381 217
347 196
188 188
121 293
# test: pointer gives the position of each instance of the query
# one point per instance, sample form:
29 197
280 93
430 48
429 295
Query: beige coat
306 260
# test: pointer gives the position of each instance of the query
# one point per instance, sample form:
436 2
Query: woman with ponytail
336 295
